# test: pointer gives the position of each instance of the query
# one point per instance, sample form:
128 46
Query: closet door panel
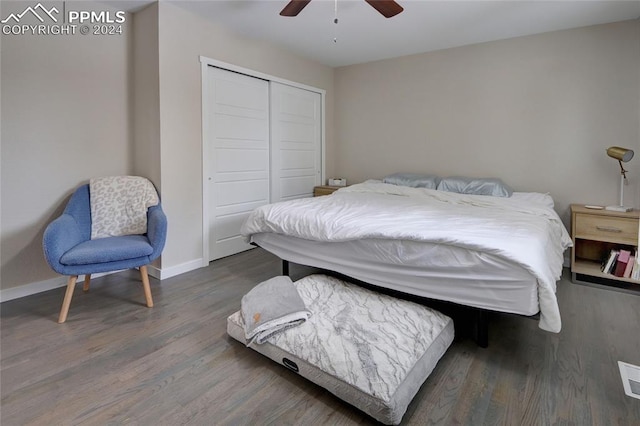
238 156
296 136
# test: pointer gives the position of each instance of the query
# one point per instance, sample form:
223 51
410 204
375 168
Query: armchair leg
145 285
87 281
71 284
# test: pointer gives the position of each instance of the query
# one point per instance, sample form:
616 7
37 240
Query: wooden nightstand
325 190
595 233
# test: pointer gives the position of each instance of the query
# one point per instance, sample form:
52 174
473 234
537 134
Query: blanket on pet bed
372 350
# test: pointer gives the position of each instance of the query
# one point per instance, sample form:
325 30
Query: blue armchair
69 249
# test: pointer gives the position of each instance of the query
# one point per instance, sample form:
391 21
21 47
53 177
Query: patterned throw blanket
119 205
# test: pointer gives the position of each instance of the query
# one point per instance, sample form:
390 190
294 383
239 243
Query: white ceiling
363 35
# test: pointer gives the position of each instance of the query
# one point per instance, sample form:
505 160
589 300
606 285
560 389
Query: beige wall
536 111
146 98
74 107
183 38
146 94
65 118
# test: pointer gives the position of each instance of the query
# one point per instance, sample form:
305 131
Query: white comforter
528 234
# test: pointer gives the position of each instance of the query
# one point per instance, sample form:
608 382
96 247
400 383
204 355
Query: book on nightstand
621 263
635 273
629 268
610 262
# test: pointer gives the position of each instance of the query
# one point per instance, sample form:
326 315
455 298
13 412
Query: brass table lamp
622 155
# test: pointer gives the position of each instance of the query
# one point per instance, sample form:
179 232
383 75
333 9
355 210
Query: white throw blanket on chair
119 205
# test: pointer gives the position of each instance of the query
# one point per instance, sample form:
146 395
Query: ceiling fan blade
294 7
388 8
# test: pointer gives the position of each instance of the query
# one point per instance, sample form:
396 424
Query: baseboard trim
31 288
61 281
172 271
154 272
40 286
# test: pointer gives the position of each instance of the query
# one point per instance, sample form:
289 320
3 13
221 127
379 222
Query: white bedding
430 270
528 234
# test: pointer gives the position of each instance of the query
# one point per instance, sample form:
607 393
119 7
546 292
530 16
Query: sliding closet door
238 156
296 138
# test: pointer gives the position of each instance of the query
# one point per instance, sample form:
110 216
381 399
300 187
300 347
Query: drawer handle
608 229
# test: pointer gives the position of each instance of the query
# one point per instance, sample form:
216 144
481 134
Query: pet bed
371 350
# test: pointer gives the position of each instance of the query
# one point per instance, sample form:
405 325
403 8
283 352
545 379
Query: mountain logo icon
34 11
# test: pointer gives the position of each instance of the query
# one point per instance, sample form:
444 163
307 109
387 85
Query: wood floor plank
117 362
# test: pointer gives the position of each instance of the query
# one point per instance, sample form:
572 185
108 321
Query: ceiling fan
388 8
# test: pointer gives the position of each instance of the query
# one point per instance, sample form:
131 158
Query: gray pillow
477 186
414 180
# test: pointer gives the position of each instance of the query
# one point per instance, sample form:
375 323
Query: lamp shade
621 154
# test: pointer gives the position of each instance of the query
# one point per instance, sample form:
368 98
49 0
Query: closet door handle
608 229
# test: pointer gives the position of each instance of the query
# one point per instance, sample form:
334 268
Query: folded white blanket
119 205
272 307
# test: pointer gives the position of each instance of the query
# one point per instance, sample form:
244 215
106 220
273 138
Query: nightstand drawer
602 228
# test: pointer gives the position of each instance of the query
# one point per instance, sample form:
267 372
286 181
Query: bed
500 254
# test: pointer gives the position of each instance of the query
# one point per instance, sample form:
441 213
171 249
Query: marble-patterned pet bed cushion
371 350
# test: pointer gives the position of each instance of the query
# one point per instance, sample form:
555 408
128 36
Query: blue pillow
477 186
414 180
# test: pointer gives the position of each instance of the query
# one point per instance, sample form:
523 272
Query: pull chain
335 21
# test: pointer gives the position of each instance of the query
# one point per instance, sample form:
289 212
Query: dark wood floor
117 362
